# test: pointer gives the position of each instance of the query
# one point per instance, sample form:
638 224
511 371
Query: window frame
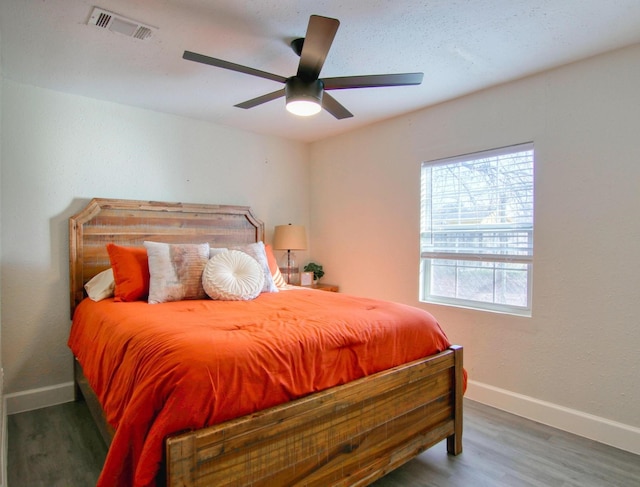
428 259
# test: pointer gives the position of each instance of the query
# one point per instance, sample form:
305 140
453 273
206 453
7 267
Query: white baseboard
42 397
603 430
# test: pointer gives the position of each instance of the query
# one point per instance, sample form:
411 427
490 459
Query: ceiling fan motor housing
298 89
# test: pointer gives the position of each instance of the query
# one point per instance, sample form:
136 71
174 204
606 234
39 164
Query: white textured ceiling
460 45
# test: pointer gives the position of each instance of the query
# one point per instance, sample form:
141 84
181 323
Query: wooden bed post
454 442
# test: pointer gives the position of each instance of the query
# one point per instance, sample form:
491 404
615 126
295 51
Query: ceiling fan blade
317 42
332 105
372 81
261 99
219 63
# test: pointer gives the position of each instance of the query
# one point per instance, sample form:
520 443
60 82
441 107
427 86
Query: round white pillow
232 276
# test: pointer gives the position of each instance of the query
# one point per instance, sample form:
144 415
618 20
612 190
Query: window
476 235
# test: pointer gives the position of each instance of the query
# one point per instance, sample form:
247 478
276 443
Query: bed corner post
454 442
181 453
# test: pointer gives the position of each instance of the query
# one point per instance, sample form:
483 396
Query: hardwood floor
60 447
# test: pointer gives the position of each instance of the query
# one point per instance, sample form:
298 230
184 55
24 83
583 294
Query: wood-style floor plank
59 446
56 446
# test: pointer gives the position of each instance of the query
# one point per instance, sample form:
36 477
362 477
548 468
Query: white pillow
213 251
258 252
233 276
101 286
175 271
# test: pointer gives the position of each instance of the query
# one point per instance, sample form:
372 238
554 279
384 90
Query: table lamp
290 237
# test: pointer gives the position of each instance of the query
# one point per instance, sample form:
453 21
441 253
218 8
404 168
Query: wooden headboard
130 223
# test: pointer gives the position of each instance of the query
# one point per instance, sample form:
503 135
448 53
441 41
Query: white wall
577 355
577 358
58 151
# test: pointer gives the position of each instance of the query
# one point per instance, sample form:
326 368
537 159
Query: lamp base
289 268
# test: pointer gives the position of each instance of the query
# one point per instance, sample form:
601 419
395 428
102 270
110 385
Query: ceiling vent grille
119 24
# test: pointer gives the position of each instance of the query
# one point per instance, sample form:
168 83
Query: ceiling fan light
303 108
303 98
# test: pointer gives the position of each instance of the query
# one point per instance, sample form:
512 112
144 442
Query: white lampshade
290 237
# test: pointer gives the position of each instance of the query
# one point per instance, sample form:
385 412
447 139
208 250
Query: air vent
119 24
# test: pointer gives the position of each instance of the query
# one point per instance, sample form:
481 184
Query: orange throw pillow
130 271
273 263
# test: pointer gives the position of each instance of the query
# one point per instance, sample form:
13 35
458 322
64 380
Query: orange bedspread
162 368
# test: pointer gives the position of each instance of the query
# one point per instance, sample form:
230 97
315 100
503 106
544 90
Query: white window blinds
479 207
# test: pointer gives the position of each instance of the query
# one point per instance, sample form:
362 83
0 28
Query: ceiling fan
305 92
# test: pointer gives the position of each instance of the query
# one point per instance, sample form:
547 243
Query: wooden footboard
348 435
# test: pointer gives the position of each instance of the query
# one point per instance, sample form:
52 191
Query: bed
348 434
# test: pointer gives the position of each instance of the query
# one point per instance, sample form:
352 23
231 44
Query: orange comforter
163 368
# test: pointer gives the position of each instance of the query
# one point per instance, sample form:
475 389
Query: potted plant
316 269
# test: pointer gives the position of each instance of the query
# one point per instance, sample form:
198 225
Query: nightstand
324 287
